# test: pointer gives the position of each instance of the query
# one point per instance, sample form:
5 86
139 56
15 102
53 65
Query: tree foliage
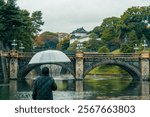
136 21
73 46
125 31
132 39
64 44
103 49
17 24
47 39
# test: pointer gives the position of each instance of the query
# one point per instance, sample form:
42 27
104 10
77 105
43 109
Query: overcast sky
68 15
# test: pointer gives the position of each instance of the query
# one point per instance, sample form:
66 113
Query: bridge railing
106 55
4 54
26 54
73 55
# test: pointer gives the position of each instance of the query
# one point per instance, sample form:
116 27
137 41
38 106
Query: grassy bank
108 69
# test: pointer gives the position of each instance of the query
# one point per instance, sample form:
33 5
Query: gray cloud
67 15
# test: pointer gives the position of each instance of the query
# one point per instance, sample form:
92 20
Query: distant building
80 35
80 32
81 39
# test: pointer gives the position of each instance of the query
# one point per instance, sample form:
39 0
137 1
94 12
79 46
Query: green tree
12 22
97 30
64 44
131 41
103 49
2 19
125 48
50 40
32 28
36 19
93 36
73 46
25 36
137 19
18 24
125 31
93 44
110 32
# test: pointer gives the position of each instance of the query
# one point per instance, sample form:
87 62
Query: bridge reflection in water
93 88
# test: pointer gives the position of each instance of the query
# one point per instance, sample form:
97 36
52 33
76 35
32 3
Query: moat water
91 88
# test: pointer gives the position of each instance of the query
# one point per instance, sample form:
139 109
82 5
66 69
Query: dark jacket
42 88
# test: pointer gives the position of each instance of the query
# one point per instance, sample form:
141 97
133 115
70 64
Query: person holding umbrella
43 86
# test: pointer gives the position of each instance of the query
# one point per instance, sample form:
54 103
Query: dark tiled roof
79 30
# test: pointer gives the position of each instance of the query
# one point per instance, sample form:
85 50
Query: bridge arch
133 71
24 71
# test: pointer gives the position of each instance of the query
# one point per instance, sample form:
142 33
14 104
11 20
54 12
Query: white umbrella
49 56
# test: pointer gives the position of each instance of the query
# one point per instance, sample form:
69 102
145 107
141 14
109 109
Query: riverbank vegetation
108 70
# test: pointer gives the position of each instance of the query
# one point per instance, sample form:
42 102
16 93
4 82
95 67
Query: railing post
13 65
79 65
145 65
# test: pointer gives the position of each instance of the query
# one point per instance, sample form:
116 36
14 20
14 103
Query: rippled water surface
91 88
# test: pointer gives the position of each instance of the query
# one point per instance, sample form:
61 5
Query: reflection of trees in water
113 87
4 93
133 89
65 85
86 89
24 89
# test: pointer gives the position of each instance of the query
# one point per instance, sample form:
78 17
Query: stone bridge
137 65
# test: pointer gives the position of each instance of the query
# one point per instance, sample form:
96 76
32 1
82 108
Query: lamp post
144 45
99 39
79 46
21 47
135 48
14 44
79 61
13 63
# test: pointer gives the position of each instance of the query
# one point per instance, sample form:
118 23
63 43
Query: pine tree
18 24
2 19
13 22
